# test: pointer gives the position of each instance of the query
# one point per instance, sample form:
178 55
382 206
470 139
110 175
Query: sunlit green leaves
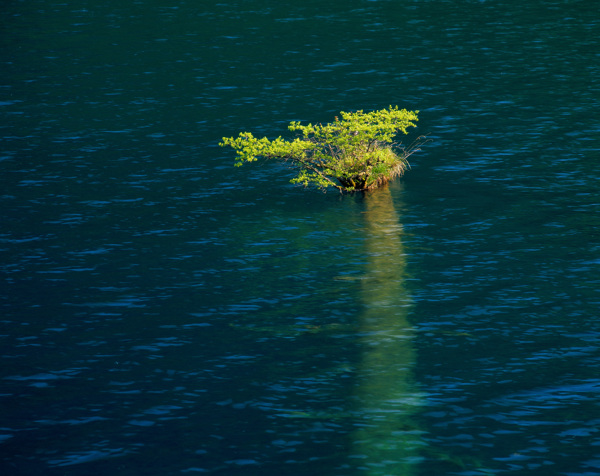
354 153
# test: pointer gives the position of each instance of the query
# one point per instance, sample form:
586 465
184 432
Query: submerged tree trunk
388 441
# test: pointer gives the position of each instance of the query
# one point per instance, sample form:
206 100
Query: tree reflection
387 441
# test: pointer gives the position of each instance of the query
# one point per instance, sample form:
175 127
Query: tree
352 154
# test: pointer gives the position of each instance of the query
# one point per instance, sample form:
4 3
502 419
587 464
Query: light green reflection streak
387 441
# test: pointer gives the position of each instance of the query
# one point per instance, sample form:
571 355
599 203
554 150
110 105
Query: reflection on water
388 440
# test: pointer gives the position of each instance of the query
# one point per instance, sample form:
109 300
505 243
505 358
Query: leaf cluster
356 152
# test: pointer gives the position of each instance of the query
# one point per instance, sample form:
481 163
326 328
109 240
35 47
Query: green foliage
351 154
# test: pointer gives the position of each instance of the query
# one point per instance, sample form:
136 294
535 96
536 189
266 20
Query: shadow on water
387 441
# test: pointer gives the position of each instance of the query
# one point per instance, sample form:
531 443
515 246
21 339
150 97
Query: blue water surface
164 312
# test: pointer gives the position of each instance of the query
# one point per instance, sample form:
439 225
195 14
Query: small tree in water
352 154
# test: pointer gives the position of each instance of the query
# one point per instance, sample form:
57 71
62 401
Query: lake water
164 313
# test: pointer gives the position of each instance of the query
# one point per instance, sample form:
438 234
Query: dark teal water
163 312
